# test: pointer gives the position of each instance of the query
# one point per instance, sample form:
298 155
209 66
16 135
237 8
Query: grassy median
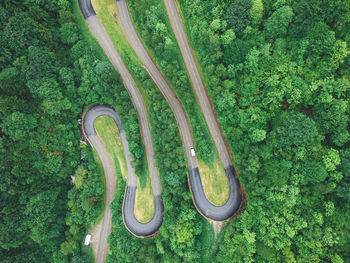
107 12
214 180
108 131
144 203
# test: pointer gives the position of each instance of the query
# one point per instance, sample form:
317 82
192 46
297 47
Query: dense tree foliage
278 74
180 235
48 73
152 23
280 85
46 84
183 228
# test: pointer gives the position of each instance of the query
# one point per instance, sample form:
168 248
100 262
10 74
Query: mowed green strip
144 203
108 131
107 12
214 180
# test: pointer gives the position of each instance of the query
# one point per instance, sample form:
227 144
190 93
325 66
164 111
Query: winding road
206 208
235 198
132 224
102 231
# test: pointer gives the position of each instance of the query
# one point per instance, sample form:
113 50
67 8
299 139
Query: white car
87 240
193 153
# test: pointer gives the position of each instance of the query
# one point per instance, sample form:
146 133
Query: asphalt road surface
201 202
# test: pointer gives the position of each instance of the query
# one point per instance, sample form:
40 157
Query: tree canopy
278 76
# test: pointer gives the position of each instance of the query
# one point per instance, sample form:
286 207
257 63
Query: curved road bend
104 228
134 226
207 209
202 97
102 231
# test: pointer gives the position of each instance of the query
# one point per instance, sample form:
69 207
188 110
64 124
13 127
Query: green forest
278 75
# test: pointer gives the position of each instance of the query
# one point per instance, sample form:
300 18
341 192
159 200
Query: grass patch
107 12
108 131
214 180
144 203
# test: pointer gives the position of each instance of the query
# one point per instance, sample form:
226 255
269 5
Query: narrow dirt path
197 82
104 228
159 79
